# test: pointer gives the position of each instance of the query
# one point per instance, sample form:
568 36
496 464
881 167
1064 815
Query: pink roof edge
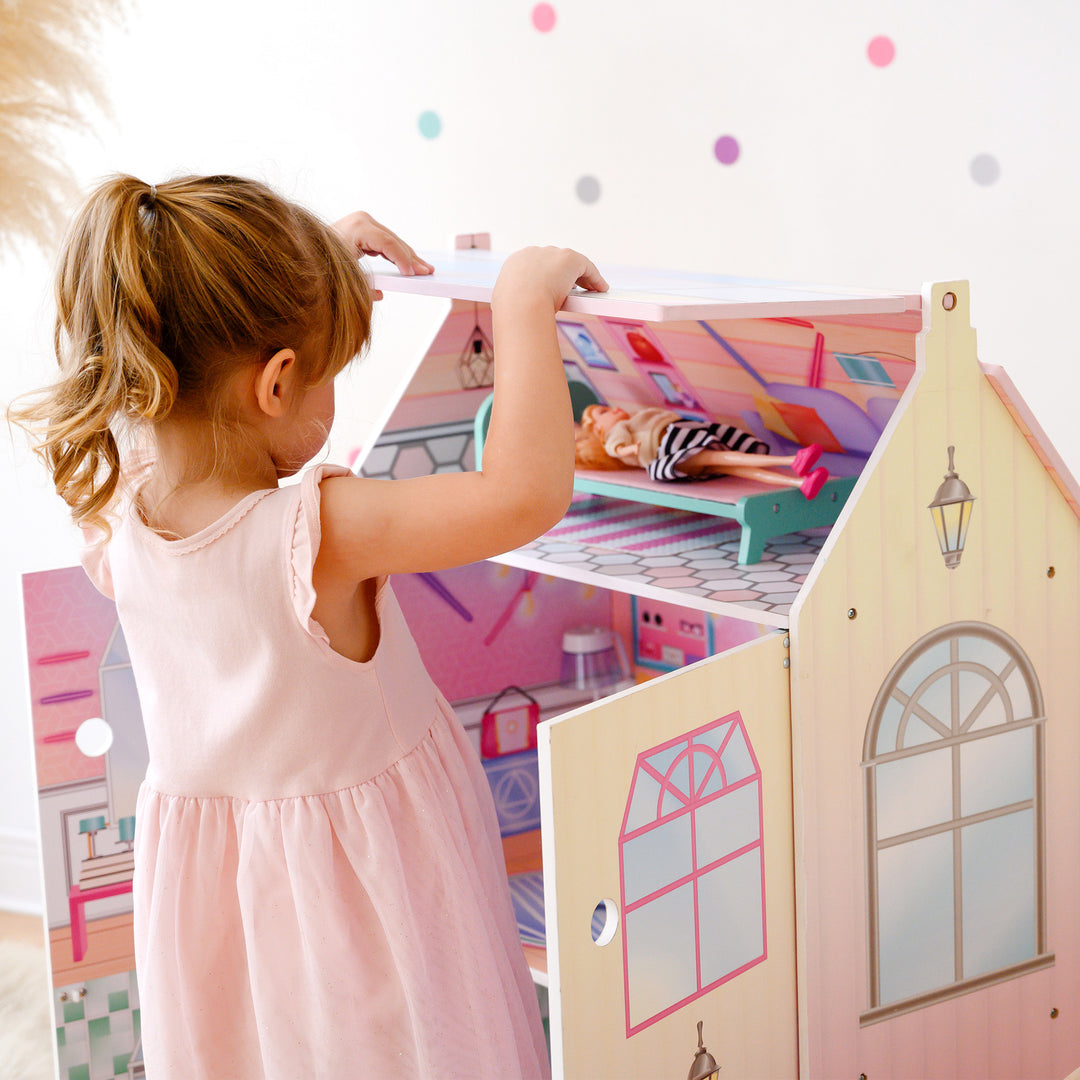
1040 442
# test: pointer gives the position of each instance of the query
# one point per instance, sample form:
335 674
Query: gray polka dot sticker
588 189
985 169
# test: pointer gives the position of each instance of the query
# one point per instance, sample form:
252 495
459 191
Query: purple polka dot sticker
726 150
543 18
881 51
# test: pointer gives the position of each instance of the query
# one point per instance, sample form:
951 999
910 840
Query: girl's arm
374 527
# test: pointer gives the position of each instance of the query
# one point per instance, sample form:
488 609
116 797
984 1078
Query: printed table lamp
951 511
704 1065
593 658
89 826
127 831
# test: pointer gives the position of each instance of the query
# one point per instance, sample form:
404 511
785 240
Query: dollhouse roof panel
652 295
1039 441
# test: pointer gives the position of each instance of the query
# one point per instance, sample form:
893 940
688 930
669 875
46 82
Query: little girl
672 449
320 889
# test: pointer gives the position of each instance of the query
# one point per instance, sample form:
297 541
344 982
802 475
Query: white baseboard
20 872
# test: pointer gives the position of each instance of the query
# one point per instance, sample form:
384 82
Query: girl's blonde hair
163 295
589 452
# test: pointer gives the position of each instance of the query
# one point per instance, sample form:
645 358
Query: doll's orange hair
589 452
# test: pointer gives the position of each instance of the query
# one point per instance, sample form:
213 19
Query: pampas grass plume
47 81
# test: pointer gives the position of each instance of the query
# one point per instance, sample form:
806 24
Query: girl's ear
275 383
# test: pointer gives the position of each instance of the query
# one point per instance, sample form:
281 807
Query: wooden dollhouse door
668 873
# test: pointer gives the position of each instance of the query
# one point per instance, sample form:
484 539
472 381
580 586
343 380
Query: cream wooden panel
587 762
883 562
651 295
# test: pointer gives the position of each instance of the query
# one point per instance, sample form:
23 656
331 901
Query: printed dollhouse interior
808 367
577 664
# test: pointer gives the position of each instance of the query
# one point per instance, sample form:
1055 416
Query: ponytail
164 293
105 339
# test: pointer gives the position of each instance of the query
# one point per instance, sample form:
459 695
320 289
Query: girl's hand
550 271
367 237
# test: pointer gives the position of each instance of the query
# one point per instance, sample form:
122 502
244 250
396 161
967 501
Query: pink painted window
692 870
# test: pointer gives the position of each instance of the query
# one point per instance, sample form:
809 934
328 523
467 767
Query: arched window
953 764
693 885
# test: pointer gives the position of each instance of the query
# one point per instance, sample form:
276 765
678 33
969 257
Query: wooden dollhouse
787 787
829 809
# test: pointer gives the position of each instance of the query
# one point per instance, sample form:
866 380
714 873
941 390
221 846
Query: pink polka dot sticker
726 150
543 18
881 51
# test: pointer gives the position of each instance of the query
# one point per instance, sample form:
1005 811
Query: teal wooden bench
762 512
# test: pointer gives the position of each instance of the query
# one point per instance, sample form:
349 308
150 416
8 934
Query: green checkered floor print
97 1027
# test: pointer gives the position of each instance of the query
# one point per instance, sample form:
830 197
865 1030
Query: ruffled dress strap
304 546
94 556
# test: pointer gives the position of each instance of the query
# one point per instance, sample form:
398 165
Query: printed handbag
509 729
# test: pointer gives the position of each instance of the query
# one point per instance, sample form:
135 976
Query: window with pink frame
692 870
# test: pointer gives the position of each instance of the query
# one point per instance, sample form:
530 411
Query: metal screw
787 643
787 662
851 613
1053 1014
1051 572
776 508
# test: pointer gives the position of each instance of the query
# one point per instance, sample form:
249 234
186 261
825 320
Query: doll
671 448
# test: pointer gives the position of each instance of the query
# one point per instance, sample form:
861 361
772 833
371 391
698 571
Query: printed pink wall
482 626
68 625
449 384
790 381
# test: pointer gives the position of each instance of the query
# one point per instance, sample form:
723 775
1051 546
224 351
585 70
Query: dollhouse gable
935 745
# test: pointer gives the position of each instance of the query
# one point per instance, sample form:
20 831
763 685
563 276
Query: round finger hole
605 921
94 737
948 301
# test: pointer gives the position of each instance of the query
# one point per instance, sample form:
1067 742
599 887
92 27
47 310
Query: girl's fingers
390 246
592 278
370 237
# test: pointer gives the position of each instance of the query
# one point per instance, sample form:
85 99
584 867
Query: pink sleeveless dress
319 889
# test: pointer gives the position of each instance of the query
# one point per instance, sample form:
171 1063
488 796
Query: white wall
848 173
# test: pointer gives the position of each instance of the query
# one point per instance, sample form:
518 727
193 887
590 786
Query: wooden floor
28 928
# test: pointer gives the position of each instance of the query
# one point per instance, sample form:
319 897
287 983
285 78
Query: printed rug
598 521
